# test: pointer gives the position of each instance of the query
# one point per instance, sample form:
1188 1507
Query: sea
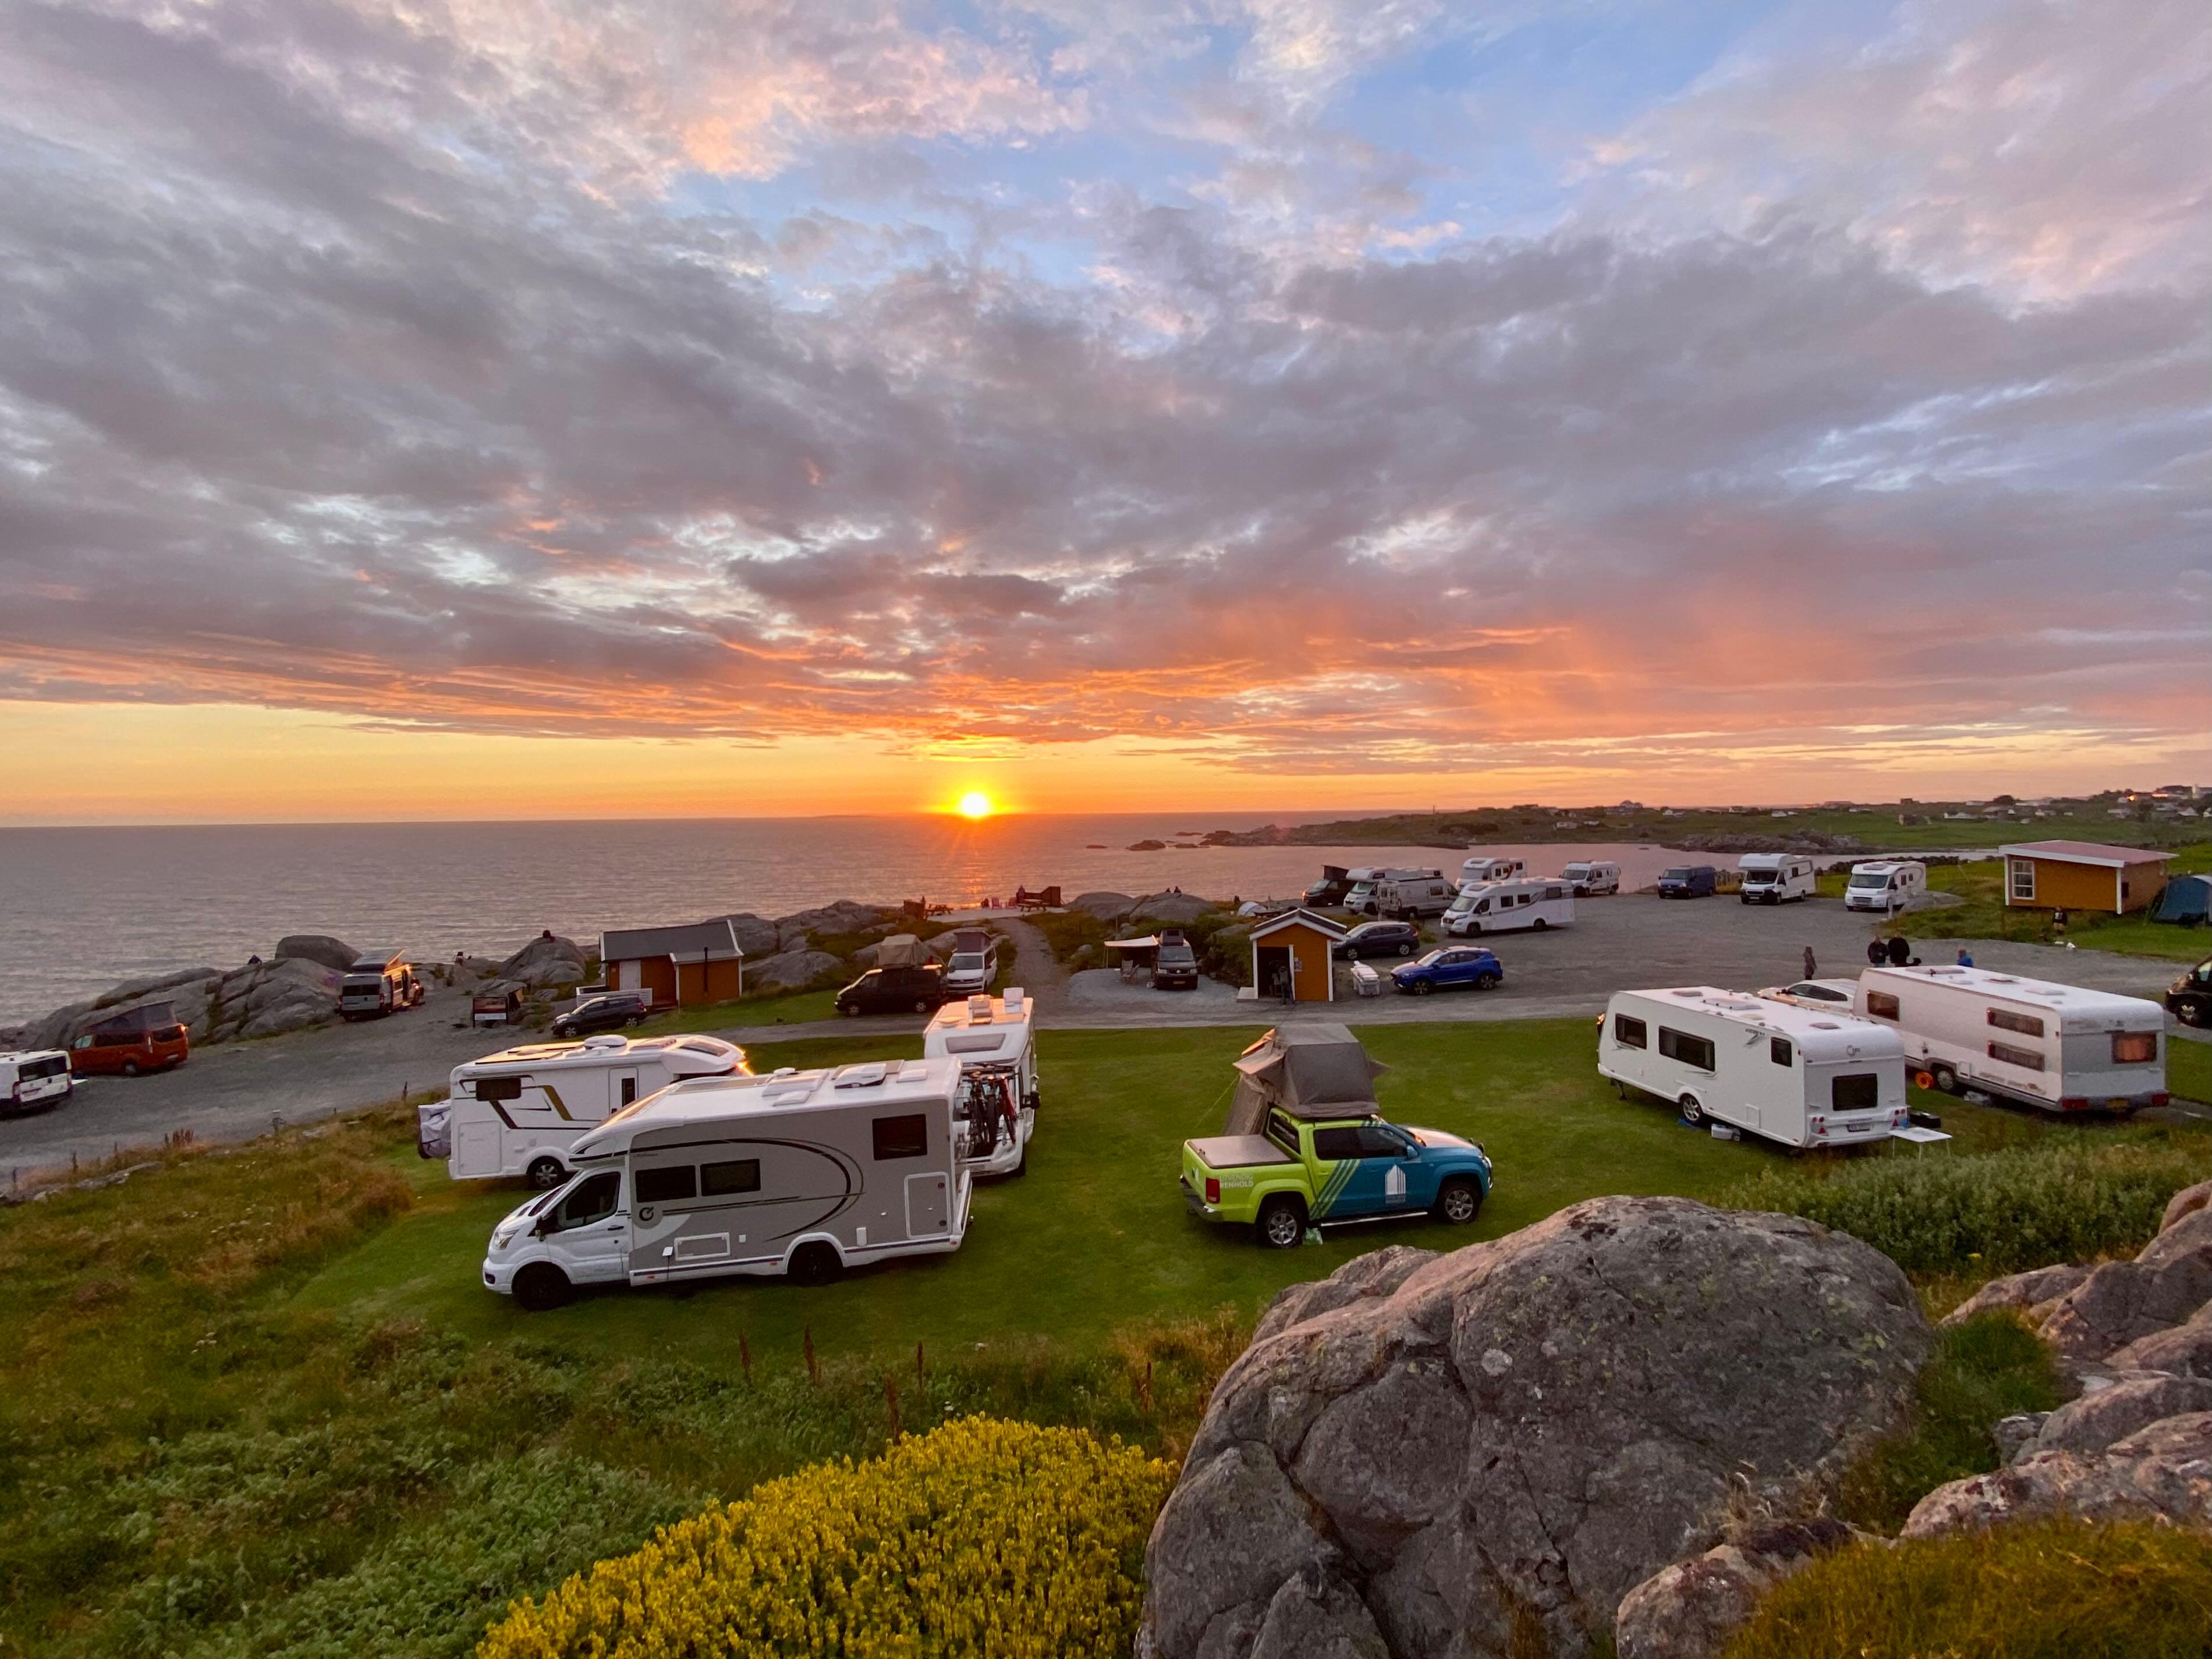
82 909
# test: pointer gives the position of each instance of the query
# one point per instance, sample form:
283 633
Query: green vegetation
2188 1069
1991 1366
2053 1589
1075 938
1986 916
2070 1196
770 1008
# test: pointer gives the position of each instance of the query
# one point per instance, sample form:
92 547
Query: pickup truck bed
1239 1151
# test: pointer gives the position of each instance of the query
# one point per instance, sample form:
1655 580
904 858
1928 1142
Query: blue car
1451 969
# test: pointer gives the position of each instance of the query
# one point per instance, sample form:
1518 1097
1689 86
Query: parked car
148 1038
1335 882
1833 995
1175 965
1379 938
2189 999
1456 967
1295 1175
1689 881
609 1011
36 1076
917 990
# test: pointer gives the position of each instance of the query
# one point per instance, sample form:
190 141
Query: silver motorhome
802 1174
996 1111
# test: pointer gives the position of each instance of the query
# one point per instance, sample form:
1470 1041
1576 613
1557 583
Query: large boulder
792 970
844 916
1107 906
265 1000
1690 1610
2123 1301
543 964
1525 1430
2184 1350
334 954
2185 1203
1172 908
756 936
2027 1292
2100 1417
2163 1471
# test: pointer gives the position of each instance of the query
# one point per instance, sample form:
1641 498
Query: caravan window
666 1185
738 1176
1881 1005
1856 1091
2134 1048
1283 1132
1690 1050
1629 1033
2025 1058
2026 1025
1779 1050
499 1088
906 1136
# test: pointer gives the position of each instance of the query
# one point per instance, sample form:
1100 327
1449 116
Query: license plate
2119 1102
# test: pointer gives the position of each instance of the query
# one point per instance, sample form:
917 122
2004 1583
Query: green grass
1986 916
2188 1069
782 1008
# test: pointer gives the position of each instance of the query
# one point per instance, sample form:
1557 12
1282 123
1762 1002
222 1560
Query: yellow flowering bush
982 1537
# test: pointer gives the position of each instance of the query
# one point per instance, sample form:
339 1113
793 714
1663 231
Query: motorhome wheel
545 1173
1282 1224
815 1263
541 1286
1541 925
1693 1113
1458 1202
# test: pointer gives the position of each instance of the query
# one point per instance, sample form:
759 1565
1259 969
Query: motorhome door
928 1204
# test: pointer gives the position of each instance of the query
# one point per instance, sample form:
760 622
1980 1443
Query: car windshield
1432 959
1679 872
1177 955
1575 872
1758 875
967 959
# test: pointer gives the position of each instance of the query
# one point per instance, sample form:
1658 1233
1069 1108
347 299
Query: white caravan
1772 877
519 1111
994 1114
1505 907
1886 885
2054 1046
1793 1075
1588 878
1490 869
36 1076
798 1173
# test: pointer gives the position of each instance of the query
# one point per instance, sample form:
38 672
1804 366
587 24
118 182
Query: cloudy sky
506 407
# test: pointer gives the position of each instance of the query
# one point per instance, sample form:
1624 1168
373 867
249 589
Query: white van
1505 907
1409 897
994 1114
975 960
519 1111
1793 1075
1773 877
1587 879
1481 869
35 1077
1886 885
798 1173
1369 887
2055 1046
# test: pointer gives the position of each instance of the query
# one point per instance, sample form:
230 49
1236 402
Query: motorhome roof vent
1691 993
606 1039
1828 1025
979 1011
1734 1005
784 1071
1013 998
867 1075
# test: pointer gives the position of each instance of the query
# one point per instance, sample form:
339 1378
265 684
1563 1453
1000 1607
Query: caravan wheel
545 1173
1944 1078
1693 1111
1541 924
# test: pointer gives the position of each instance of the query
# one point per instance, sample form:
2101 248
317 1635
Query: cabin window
1331 1144
1690 1050
1283 1132
1630 1033
499 1088
1855 1092
2026 1025
592 1200
666 1185
740 1175
2023 880
1881 1005
2025 1058
2134 1048
906 1136
1779 1051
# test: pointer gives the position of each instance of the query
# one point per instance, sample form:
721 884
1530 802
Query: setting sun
974 805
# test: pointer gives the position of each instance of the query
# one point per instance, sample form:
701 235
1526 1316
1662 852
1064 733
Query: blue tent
2186 899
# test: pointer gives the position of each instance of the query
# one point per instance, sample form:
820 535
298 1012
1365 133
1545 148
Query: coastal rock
334 954
2094 1422
265 1000
2024 1291
1690 1610
1525 1430
2015 1435
1148 845
756 936
792 970
844 916
1377 1273
544 963
2123 1301
2163 1471
1107 906
1173 908
2185 1349
2185 1203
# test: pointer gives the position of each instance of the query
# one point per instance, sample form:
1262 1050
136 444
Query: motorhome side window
1855 1092
2134 1048
905 1136
1690 1050
738 1176
1779 1050
499 1088
666 1185
628 1090
2026 1025
595 1200
1881 1005
1629 1033
2027 1059
1281 1131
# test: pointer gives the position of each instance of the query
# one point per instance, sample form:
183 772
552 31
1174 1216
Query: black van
1689 881
917 990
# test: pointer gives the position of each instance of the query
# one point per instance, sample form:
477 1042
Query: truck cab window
1282 1132
1375 1141
595 1200
1331 1146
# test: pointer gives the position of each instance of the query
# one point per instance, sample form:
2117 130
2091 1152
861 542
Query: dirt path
1034 969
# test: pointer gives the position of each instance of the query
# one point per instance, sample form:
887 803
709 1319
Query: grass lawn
2188 1069
1986 916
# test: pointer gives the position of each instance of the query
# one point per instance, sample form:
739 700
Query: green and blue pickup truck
1296 1174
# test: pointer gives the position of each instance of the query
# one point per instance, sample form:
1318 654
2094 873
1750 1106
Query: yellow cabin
2082 875
1297 947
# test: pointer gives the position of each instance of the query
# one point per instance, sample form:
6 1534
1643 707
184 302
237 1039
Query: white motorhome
520 1111
1505 907
1483 869
35 1077
994 1114
1774 878
1794 1075
975 960
2054 1046
1885 884
798 1173
1588 877
1369 887
1407 897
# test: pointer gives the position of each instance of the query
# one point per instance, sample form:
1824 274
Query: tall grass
2062 1198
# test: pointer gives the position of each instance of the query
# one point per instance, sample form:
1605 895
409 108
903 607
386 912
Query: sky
518 408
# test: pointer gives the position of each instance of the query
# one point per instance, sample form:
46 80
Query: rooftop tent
2186 899
901 950
1317 1071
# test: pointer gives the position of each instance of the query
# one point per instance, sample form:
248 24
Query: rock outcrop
334 954
1173 908
792 970
844 916
2163 1471
1690 1610
756 936
2184 1349
1446 1450
2028 1292
2129 1405
2123 1301
543 964
2186 1202
1107 906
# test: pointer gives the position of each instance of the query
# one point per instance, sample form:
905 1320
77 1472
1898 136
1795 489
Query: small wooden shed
1296 948
686 966
2082 875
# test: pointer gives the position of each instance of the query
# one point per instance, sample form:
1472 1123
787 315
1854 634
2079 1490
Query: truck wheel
545 1173
1541 924
1458 1202
1282 1224
1423 987
1945 1078
541 1287
814 1263
1693 1113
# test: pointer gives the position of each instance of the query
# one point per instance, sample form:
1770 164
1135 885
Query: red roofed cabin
683 966
2082 875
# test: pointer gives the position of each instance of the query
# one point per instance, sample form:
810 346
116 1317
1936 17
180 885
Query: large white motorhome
1885 884
520 1111
1589 878
1407 897
1368 887
1504 907
2054 1046
798 1173
994 1114
1483 868
1790 1074
1775 878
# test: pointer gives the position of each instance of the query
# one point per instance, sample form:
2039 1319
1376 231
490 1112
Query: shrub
981 1537
2060 1199
1074 937
2053 1589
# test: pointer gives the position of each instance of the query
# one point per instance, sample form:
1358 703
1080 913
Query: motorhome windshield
1753 878
1575 871
1461 905
1869 878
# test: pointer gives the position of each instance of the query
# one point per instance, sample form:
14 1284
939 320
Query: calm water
82 909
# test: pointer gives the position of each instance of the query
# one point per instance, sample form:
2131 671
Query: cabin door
928 1204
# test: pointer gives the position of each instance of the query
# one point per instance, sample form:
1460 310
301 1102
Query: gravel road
236 1089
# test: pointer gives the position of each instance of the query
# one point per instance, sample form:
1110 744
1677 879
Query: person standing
1812 970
